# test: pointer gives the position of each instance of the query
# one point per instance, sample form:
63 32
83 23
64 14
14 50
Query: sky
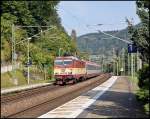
83 16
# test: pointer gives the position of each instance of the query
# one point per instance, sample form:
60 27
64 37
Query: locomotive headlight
56 72
69 71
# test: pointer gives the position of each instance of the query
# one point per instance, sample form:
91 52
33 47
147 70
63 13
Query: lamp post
14 56
14 49
28 60
114 56
123 62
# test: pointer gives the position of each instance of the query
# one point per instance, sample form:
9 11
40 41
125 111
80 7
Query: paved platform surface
112 99
25 87
118 102
74 107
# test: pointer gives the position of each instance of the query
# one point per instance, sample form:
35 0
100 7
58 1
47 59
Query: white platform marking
74 107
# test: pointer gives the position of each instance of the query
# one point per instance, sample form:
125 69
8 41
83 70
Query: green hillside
99 43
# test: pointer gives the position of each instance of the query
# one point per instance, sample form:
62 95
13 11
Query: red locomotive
70 69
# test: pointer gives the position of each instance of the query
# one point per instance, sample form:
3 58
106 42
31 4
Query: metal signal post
14 55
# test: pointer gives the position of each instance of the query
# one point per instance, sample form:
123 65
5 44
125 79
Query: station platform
21 88
111 99
74 107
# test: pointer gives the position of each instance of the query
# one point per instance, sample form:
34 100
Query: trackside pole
132 64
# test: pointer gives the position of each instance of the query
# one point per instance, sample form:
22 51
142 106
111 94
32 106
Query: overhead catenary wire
77 19
87 26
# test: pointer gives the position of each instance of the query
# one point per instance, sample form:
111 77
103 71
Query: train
70 69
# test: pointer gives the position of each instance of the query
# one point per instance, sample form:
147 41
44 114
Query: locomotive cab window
63 62
67 62
58 62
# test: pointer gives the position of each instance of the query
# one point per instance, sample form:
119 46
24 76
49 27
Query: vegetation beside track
134 81
7 80
140 37
143 83
43 48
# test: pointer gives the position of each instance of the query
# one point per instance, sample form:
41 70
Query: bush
143 93
143 76
146 108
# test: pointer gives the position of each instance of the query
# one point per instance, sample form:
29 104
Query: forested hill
98 43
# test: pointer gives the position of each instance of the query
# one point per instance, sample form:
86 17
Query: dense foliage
141 38
140 35
43 49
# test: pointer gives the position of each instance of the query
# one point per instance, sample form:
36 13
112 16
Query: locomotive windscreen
58 62
63 62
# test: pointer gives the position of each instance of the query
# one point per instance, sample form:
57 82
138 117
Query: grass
146 108
134 81
140 94
21 79
7 80
38 81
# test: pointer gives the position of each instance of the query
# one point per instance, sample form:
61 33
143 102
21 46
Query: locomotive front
63 69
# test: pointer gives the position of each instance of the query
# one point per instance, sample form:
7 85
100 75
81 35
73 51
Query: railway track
26 93
60 96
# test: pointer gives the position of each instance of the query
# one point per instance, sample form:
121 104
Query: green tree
43 49
141 38
141 35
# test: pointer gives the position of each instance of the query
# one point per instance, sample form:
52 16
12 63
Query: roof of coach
67 57
91 63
